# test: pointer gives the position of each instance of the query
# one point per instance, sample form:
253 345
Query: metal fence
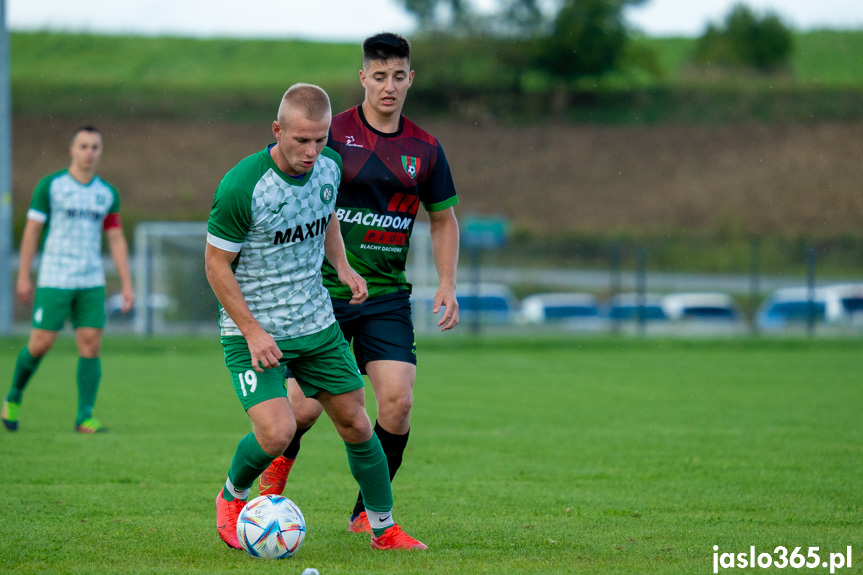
619 288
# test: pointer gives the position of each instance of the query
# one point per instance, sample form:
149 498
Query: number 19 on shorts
248 381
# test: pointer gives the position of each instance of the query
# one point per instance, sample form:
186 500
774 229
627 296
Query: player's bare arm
262 347
29 244
334 249
119 249
443 227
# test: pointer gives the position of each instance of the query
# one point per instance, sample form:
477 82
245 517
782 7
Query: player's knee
307 417
39 350
356 429
276 438
40 344
398 408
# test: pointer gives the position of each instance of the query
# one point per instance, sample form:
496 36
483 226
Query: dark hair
87 128
385 46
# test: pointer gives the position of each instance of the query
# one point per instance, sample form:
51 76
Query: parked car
629 307
834 304
559 307
844 302
701 306
494 302
791 306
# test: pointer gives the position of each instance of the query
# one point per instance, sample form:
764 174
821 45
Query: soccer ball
271 527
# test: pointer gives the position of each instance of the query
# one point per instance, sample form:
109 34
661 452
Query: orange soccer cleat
360 524
395 538
274 477
227 513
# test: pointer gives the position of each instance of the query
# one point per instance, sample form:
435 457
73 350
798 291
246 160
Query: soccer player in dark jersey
390 167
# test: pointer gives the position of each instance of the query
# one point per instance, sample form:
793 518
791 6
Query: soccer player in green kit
269 229
74 206
391 166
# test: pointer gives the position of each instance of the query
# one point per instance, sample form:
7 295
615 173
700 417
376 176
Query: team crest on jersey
411 165
327 193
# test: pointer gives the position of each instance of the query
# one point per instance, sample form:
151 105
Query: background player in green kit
269 229
391 166
74 206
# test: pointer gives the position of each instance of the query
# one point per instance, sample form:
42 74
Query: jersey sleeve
112 219
231 215
437 192
115 201
40 205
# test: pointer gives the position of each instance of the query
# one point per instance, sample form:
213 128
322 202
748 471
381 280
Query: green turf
77 75
542 456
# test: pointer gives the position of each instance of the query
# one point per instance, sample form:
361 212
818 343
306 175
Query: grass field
820 59
526 456
56 74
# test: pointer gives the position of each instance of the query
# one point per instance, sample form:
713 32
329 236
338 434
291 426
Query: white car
701 306
836 304
844 302
559 306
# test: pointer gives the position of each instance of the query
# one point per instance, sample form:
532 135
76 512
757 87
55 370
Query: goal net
172 292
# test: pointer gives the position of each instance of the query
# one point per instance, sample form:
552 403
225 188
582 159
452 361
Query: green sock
369 467
25 367
89 375
248 463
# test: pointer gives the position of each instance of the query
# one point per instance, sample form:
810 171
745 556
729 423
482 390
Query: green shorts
85 307
320 362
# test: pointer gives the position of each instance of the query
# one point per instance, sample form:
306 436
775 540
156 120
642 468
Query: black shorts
380 328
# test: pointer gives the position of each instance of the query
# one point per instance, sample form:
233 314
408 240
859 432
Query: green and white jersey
74 216
277 224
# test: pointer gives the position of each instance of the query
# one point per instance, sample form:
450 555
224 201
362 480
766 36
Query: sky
351 20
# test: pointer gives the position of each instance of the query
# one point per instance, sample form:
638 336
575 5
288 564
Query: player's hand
24 288
359 289
128 299
445 298
264 350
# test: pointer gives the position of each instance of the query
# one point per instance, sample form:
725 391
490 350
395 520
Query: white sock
380 519
237 493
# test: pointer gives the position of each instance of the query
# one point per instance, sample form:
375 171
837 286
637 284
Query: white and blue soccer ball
271 527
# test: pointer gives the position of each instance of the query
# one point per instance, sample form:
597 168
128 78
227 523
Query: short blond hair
311 100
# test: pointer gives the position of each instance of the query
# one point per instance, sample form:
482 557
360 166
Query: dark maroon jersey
385 177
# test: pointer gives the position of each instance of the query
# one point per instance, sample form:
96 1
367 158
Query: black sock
293 447
394 448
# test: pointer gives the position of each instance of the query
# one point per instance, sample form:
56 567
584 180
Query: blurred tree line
747 39
565 50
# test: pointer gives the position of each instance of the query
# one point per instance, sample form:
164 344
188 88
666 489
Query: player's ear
363 78
277 130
